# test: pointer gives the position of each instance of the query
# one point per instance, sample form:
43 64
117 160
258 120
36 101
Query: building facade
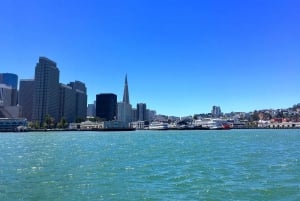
106 106
5 95
67 103
46 93
26 91
81 99
125 108
91 110
124 112
216 111
141 111
11 80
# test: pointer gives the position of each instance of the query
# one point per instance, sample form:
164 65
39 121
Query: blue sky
181 57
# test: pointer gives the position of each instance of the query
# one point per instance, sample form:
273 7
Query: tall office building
67 106
26 98
46 93
5 95
125 108
11 80
106 106
77 85
81 99
91 110
216 111
134 114
141 112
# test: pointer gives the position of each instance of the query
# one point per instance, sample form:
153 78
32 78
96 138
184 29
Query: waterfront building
46 93
13 124
67 103
125 108
11 80
81 99
5 95
26 98
73 101
106 106
6 109
141 112
139 125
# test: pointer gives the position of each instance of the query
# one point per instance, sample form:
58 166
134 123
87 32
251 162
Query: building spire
126 93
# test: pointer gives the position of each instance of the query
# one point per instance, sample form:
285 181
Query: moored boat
158 126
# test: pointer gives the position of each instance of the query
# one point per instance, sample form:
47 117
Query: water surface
147 165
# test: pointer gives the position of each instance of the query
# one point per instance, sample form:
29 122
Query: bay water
151 165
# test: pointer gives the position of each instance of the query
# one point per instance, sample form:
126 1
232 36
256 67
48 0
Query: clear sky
182 57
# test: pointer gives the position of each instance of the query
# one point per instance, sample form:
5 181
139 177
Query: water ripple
145 165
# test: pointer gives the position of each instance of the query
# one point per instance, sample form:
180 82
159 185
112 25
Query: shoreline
133 129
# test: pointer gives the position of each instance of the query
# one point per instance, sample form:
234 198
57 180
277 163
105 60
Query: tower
46 92
81 99
141 111
124 108
126 93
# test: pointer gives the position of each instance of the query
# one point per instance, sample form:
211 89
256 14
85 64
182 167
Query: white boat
212 124
158 126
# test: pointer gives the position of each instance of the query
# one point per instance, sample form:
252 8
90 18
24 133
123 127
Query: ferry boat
212 124
158 126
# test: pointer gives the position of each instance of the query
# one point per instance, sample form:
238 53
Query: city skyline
181 57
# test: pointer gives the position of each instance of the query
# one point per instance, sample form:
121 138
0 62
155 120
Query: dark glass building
141 111
11 80
106 106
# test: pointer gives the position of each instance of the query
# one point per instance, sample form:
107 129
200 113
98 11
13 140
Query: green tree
62 123
49 122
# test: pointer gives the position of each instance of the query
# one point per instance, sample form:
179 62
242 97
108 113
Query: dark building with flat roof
26 98
141 112
106 106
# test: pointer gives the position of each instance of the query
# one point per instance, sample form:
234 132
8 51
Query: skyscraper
106 106
91 110
126 92
11 80
125 108
81 99
26 98
67 103
46 93
141 111
5 95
